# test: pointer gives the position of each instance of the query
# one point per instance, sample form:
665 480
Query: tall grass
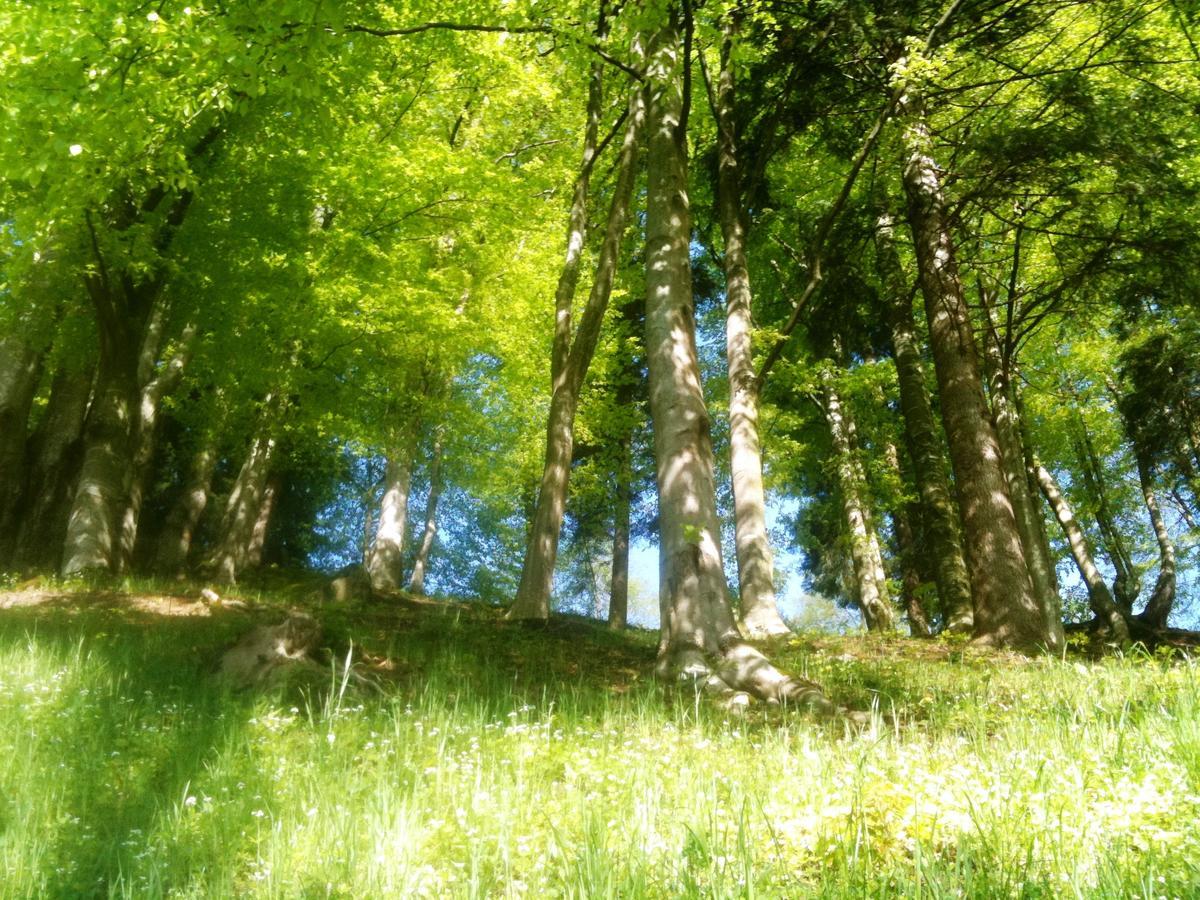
507 762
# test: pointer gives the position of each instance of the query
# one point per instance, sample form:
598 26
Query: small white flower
152 17
75 149
190 801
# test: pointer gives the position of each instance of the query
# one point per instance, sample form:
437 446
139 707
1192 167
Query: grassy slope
503 761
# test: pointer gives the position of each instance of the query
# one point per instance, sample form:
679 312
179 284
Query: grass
506 761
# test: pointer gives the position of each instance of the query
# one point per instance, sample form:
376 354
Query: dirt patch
154 605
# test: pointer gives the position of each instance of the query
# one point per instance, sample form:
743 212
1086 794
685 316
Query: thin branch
498 29
932 39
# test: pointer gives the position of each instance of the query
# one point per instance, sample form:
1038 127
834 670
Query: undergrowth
504 761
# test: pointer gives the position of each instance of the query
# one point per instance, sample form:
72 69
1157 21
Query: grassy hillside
500 760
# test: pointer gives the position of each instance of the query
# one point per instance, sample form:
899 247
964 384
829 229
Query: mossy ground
504 760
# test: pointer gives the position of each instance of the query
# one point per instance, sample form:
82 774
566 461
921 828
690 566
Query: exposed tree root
741 672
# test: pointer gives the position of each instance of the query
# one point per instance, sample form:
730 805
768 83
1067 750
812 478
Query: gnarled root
740 672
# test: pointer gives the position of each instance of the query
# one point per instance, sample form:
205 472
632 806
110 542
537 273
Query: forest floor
492 759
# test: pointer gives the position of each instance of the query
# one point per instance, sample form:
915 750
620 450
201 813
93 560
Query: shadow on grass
115 718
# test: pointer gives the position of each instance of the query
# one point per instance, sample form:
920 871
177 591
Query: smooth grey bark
124 305
1008 613
55 452
756 573
20 371
871 592
157 383
699 636
416 583
1162 598
385 562
938 513
1099 596
537 573
175 543
692 593
262 523
1006 414
244 505
92 530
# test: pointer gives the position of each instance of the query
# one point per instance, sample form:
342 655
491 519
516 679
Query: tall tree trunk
537 573
155 387
244 505
1006 413
175 543
871 593
92 539
262 522
760 613
910 577
55 453
626 395
385 562
938 514
1099 597
1128 582
1007 611
416 584
696 613
20 371
1162 598
698 626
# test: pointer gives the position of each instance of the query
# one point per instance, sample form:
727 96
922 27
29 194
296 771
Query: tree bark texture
541 553
1162 598
1099 596
385 562
155 386
938 513
1007 611
175 543
756 574
55 454
1127 583
20 371
416 583
92 540
243 507
870 590
1006 413
125 308
262 523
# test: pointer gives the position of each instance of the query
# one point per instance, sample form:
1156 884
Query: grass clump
503 761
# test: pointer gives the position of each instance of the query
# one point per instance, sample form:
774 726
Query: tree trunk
938 515
871 592
760 613
692 591
175 544
1007 611
698 626
910 576
20 371
385 562
1099 597
262 522
55 453
1128 582
1006 413
537 573
92 539
155 387
244 505
416 584
1162 598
